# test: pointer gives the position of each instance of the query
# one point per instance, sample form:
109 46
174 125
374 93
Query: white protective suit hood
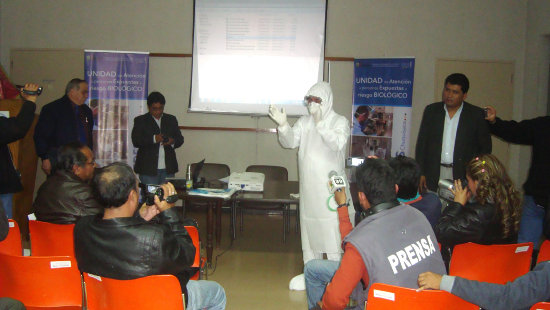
323 91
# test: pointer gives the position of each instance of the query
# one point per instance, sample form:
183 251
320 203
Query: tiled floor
256 268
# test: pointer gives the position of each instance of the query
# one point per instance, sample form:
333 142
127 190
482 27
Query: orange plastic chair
12 244
497 263
544 252
541 306
152 292
41 282
49 239
198 262
389 297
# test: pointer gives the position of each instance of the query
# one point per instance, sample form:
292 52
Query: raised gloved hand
279 116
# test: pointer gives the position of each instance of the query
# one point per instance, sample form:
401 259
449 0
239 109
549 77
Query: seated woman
487 211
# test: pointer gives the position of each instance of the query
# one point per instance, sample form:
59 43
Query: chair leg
287 217
297 218
242 218
284 224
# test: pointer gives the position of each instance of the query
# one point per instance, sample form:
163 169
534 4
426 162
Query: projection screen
250 54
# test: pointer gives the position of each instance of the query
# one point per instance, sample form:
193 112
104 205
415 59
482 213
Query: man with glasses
66 196
321 138
64 120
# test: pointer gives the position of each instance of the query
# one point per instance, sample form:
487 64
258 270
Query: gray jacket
524 292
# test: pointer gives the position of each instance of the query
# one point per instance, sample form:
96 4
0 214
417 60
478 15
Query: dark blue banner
383 82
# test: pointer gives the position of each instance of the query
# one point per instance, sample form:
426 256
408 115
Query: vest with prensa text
397 245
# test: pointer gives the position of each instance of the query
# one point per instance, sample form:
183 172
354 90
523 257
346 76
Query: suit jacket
472 138
145 127
57 125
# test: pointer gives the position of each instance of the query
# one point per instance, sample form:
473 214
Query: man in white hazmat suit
321 137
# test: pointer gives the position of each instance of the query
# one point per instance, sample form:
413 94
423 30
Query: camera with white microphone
336 182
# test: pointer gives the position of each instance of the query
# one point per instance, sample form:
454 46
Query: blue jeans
6 200
205 295
318 273
157 179
532 222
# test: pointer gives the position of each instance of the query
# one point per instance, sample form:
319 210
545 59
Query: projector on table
247 181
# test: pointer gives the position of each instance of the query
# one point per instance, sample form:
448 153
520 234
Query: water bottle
189 180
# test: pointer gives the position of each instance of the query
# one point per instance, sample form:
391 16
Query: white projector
247 181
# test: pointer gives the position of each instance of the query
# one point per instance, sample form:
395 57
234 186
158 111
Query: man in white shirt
452 132
156 135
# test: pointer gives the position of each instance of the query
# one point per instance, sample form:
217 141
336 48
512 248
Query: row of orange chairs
50 277
46 282
48 239
487 263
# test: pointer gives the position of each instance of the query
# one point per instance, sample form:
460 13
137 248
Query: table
275 192
213 204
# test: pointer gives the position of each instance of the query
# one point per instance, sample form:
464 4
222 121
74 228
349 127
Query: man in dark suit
452 132
64 120
156 135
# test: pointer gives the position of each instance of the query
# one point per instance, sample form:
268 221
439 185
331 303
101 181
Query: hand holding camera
165 194
168 192
461 193
167 141
30 91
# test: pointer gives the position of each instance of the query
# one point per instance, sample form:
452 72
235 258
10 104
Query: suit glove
279 116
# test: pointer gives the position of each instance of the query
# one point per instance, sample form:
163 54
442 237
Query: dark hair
113 183
376 179
74 84
458 79
69 155
407 176
155 97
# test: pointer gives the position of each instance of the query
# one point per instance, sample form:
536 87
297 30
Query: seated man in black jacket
66 196
121 244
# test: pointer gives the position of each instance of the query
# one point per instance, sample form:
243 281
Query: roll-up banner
382 105
117 83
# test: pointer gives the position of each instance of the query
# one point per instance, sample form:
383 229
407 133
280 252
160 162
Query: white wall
507 30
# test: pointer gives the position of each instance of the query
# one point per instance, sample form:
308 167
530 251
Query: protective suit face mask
313 108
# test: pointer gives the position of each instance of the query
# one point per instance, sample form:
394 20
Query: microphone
336 182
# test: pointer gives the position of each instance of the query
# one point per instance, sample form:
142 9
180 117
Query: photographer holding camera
124 243
486 211
11 130
156 135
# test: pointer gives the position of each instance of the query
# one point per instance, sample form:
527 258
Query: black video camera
445 187
28 92
150 191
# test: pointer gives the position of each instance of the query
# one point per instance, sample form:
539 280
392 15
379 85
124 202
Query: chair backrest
544 252
194 234
41 281
212 173
541 306
272 173
12 244
497 263
389 297
49 239
152 292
